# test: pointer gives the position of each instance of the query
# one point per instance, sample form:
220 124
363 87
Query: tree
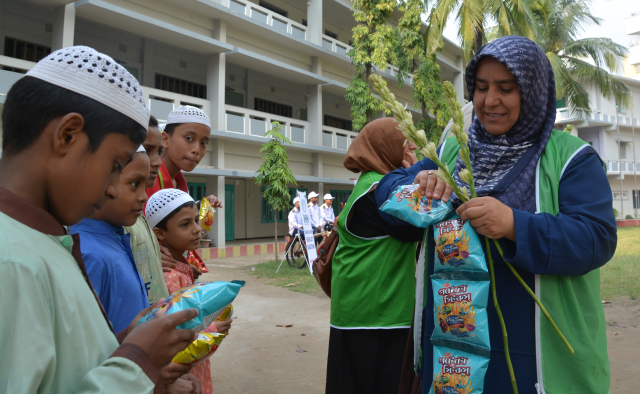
373 45
578 61
475 17
414 58
275 175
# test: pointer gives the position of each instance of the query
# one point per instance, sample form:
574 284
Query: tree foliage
274 174
374 44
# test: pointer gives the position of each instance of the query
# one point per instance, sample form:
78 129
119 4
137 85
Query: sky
612 12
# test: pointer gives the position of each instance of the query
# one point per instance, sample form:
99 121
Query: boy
328 216
173 216
69 126
106 249
144 244
314 213
295 218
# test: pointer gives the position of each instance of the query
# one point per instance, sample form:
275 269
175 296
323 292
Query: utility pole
619 161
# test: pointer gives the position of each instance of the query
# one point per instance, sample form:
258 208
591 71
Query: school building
246 63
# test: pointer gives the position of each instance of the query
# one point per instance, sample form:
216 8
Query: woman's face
409 156
496 98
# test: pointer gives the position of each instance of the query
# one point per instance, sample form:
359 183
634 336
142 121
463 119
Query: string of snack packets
428 149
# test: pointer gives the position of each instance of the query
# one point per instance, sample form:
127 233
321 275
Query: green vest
573 302
372 281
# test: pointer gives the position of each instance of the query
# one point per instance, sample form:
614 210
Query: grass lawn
621 275
295 279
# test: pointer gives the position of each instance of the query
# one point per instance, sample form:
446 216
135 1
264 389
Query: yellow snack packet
206 214
226 313
199 350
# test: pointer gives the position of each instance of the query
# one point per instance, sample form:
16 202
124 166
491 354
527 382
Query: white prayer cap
328 197
141 149
313 194
85 71
188 114
295 200
162 126
162 203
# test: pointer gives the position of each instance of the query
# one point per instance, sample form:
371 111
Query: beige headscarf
379 147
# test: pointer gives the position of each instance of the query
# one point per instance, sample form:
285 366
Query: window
623 150
341 196
24 50
562 103
273 8
332 121
266 212
330 34
274 108
303 114
233 98
622 108
304 22
636 199
180 86
197 190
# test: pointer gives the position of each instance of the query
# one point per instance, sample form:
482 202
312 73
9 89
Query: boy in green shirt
69 126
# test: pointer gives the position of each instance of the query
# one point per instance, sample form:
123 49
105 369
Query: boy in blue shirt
106 249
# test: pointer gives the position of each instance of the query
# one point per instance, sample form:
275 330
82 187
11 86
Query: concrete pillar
215 186
458 83
314 22
216 71
317 165
64 23
314 105
148 72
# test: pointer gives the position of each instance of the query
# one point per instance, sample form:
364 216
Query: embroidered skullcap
85 71
162 126
188 114
164 202
141 149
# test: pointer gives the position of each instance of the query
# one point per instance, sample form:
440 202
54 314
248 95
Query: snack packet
408 204
201 349
459 307
194 259
206 214
226 314
210 299
458 246
457 372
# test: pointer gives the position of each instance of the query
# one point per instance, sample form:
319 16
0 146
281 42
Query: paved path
257 356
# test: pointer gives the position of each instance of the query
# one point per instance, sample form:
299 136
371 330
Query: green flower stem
535 298
504 328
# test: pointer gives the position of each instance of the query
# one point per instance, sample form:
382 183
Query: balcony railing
615 167
162 102
335 46
267 17
256 123
564 114
337 138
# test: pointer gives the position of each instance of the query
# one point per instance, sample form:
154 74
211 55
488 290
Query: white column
314 22
64 23
216 71
458 83
314 106
148 76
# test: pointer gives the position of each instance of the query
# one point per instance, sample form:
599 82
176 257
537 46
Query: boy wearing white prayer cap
295 218
328 216
69 127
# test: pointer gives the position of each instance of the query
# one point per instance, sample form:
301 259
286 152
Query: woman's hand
489 217
433 187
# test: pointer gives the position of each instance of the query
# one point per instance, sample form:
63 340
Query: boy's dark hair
170 128
32 103
162 225
153 122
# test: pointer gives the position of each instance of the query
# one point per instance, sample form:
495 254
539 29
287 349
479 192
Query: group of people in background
77 127
319 215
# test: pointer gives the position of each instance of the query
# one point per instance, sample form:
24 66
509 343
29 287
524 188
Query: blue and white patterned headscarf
494 158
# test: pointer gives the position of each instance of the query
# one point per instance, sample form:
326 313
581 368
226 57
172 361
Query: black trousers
365 361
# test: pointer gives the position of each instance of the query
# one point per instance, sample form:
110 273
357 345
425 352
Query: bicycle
296 249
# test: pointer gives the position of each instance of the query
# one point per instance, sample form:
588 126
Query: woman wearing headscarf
373 270
545 196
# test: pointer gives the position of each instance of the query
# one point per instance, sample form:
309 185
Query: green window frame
561 103
340 196
266 212
197 190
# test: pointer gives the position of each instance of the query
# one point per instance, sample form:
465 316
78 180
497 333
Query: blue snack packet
458 246
460 307
210 299
457 372
408 204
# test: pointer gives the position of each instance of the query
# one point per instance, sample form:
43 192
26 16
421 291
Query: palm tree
476 18
577 62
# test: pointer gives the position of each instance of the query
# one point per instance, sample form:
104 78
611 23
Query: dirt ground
259 357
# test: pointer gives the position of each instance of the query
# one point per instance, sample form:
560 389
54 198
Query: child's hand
213 200
223 326
196 272
160 338
174 371
183 386
196 383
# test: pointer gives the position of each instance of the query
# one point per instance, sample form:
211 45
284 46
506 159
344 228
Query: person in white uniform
328 216
295 218
314 212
